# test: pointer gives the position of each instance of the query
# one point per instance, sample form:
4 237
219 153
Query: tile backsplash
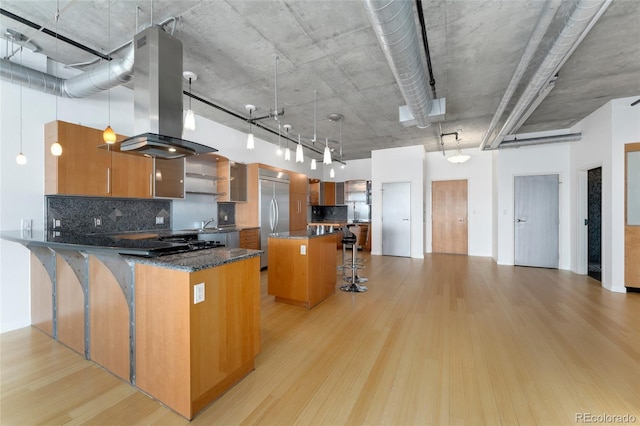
106 215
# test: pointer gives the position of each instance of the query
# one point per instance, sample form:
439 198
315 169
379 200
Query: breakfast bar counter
183 327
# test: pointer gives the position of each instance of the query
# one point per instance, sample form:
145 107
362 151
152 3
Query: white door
536 227
396 219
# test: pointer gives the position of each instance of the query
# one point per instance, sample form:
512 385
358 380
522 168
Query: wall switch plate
57 223
198 293
97 221
25 225
159 220
303 250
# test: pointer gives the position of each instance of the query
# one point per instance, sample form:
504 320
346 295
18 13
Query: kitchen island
182 327
302 267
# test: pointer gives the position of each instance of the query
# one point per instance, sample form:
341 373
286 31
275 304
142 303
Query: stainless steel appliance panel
274 212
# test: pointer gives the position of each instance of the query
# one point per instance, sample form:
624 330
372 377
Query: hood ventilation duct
99 79
394 24
157 98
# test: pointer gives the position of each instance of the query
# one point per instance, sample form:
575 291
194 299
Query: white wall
604 134
477 171
532 160
404 164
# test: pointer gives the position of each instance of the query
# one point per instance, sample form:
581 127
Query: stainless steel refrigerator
274 207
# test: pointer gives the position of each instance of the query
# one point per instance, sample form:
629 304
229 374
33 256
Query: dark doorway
594 223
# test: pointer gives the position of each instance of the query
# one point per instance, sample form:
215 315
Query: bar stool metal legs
353 265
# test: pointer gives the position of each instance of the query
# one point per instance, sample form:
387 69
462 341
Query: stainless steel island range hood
157 94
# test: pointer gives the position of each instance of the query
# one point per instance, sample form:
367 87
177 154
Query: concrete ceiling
331 47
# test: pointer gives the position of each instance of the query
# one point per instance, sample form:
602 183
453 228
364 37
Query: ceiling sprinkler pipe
515 143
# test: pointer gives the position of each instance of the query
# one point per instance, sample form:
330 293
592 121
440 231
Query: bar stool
350 238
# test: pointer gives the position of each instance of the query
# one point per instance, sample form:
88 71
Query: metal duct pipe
580 17
393 22
544 20
103 77
571 137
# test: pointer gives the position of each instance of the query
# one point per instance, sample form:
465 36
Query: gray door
536 214
396 219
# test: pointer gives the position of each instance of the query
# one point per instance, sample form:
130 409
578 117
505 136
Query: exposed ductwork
571 34
394 24
101 78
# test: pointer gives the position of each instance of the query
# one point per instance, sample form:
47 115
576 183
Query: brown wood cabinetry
329 194
298 191
85 169
109 320
41 297
250 238
302 279
188 354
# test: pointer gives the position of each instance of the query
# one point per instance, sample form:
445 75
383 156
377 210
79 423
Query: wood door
632 216
449 220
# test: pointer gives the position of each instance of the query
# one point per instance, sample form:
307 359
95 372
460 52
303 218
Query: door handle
151 184
462 220
108 180
520 220
406 220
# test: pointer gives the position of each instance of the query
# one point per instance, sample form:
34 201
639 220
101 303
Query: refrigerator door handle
272 214
277 216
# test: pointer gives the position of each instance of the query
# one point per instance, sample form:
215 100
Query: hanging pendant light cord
20 103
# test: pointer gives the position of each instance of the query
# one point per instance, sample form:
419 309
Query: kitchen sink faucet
206 223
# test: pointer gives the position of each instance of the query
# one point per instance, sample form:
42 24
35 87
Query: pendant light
190 118
327 153
279 150
287 153
56 148
250 139
313 164
108 135
299 154
21 159
343 165
332 173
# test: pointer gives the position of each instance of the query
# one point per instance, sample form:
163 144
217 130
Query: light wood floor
444 340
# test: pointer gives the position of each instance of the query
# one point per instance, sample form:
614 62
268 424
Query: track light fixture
190 118
299 154
287 152
327 152
279 150
250 139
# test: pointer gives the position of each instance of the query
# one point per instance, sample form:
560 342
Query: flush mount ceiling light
287 152
190 118
458 157
250 140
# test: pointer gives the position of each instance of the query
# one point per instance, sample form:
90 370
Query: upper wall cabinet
85 169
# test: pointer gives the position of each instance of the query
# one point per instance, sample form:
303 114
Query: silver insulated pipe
394 24
101 78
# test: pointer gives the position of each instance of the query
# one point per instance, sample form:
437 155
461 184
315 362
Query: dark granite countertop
197 260
309 233
133 250
89 242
